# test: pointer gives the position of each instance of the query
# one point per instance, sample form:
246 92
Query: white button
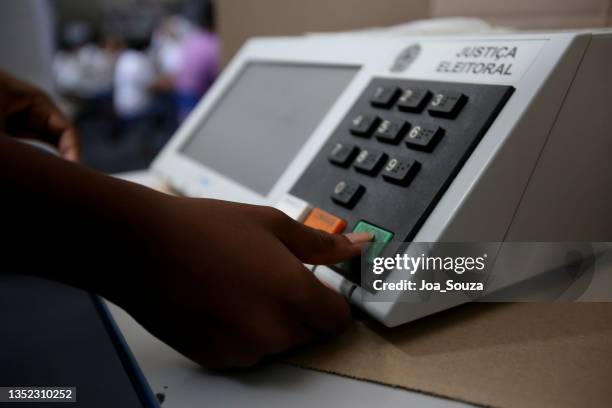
294 207
334 281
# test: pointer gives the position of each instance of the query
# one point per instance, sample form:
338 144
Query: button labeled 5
390 131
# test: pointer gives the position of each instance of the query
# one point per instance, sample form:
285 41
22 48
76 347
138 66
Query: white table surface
185 384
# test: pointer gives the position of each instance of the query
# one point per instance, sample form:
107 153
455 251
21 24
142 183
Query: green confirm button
381 239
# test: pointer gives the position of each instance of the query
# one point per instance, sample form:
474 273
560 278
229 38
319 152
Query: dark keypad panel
424 131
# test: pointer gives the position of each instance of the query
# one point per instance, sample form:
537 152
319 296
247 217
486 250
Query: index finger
68 141
55 128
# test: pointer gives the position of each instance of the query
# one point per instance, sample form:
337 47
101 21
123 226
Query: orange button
324 221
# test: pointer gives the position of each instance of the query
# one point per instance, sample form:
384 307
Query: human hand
229 286
27 112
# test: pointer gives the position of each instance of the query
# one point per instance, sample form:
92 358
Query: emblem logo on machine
405 58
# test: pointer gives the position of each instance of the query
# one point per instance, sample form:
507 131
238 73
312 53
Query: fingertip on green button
381 238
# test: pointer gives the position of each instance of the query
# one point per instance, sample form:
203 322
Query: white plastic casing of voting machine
513 139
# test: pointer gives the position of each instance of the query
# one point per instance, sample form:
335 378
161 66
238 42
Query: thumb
318 247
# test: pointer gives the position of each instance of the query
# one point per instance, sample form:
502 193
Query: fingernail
71 155
359 237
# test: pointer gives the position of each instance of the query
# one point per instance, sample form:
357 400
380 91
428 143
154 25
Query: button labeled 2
413 99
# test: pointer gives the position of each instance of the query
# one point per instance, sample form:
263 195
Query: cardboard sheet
507 355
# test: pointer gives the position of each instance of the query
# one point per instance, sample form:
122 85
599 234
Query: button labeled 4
364 124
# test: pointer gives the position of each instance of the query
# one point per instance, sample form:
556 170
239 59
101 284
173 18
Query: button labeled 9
400 170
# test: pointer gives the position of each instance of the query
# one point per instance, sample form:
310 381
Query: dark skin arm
223 283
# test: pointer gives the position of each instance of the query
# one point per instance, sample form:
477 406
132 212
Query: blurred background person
120 70
134 78
166 51
166 44
199 57
82 67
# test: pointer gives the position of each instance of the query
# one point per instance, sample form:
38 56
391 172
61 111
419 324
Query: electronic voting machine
502 137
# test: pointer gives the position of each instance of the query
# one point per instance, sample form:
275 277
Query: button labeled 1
385 96
400 170
347 193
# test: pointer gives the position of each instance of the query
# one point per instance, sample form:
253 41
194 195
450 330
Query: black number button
364 124
391 131
423 137
347 193
413 99
400 170
369 161
446 104
385 96
343 154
